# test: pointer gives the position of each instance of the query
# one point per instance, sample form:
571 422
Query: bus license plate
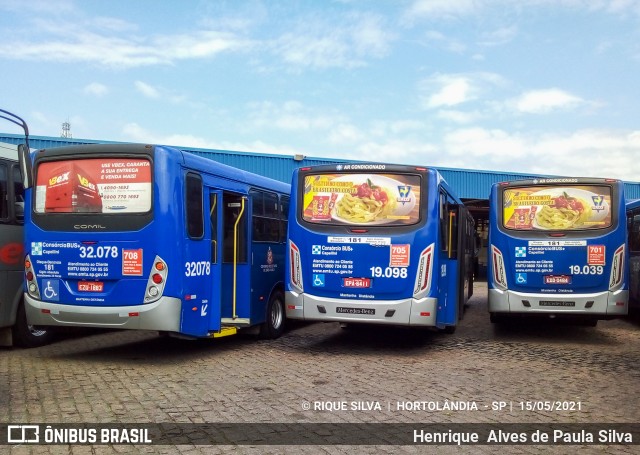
356 282
556 303
344 310
90 286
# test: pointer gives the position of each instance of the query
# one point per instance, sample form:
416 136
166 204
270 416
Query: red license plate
356 282
557 279
90 286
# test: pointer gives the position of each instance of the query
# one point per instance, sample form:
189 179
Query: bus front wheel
28 336
274 324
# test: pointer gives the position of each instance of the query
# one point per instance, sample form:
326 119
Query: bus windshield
558 208
361 199
97 185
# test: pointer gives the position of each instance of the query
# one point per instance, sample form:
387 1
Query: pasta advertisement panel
362 199
557 208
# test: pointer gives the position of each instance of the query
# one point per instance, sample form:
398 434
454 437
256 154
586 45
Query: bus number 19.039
586 269
388 272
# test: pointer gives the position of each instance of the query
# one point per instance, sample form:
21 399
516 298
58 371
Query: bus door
235 267
216 283
448 273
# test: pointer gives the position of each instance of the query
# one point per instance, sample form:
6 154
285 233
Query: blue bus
633 230
380 244
133 236
557 249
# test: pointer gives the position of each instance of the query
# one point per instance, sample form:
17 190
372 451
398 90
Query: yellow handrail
235 256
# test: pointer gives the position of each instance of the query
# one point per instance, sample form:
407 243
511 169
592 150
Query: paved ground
392 375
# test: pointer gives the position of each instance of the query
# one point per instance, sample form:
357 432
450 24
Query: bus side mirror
24 161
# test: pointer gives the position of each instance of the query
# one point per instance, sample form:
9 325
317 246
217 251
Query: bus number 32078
98 252
197 268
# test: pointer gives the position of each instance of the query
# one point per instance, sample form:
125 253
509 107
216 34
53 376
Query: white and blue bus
557 249
633 230
133 236
379 244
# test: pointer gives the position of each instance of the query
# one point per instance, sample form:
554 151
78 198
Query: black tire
449 329
273 326
28 336
497 318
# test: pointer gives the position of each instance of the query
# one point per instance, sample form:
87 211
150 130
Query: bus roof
185 158
557 180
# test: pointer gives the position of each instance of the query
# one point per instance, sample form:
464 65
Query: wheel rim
36 332
276 314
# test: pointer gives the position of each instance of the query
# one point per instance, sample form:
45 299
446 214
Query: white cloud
323 44
96 89
291 116
147 90
543 101
447 90
442 8
65 42
586 153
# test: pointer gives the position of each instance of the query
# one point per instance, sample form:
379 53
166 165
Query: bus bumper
162 315
601 304
412 312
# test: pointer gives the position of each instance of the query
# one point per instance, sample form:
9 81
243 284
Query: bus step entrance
224 331
237 322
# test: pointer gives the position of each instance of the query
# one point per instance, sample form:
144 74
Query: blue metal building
468 184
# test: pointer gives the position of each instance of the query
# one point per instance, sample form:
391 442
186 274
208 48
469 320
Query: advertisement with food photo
369 199
559 208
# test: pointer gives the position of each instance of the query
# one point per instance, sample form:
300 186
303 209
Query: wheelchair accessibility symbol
521 278
318 279
51 289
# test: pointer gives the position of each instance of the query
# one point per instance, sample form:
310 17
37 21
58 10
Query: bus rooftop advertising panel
560 208
99 185
362 199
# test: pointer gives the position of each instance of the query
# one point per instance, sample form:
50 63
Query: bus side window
232 209
195 215
265 224
4 193
444 222
284 215
634 234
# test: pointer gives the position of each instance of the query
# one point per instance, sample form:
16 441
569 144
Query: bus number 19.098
388 272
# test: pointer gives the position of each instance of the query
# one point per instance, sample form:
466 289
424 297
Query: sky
533 86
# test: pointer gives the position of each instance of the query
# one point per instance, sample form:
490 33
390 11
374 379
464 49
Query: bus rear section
169 242
557 249
95 256
374 244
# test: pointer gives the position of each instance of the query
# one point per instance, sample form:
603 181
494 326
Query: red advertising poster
99 185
